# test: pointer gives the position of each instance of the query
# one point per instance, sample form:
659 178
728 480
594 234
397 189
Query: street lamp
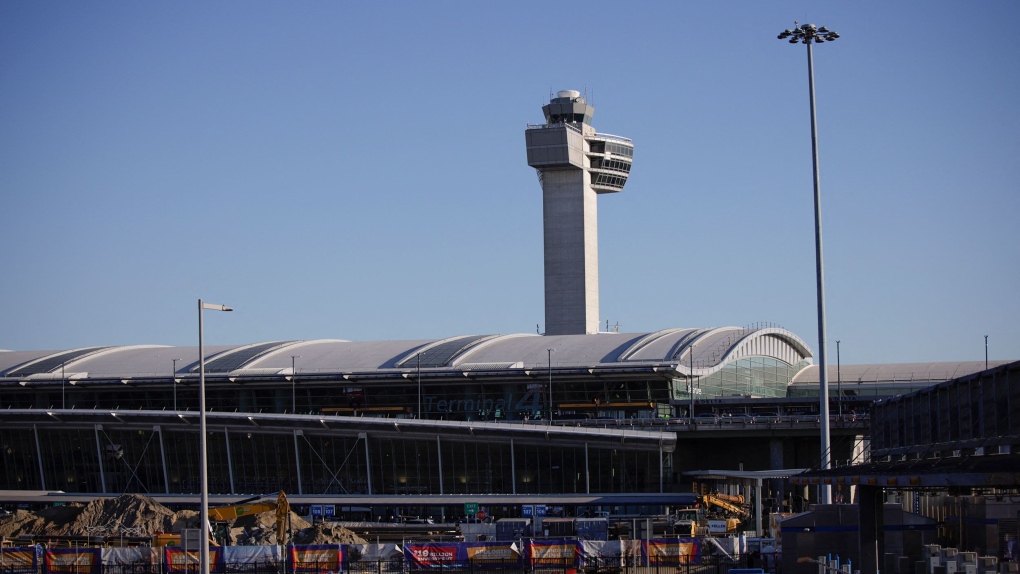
808 34
986 352
173 381
63 401
203 446
550 386
293 383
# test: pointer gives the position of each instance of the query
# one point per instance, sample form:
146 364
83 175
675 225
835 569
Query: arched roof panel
661 349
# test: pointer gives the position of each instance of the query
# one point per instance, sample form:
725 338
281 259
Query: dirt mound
325 533
137 515
46 521
260 529
131 513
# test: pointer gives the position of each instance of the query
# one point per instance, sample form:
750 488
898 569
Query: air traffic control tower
574 163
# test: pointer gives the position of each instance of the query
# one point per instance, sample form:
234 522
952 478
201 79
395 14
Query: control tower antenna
574 164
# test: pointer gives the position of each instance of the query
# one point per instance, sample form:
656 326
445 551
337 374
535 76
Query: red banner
430 555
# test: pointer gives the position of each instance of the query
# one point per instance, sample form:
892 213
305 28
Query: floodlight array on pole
203 557
810 34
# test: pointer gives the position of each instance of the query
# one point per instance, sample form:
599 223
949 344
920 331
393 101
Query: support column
439 451
513 467
660 470
368 461
99 455
230 460
776 463
38 457
872 527
757 507
297 461
162 456
587 471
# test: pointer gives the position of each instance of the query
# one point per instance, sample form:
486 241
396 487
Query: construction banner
434 555
176 560
72 560
18 560
322 558
481 554
245 558
130 556
672 551
560 553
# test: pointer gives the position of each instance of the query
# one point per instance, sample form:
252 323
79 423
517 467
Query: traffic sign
527 511
316 510
540 509
329 510
470 507
481 515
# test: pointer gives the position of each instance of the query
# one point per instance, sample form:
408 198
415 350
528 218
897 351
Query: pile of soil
326 533
137 515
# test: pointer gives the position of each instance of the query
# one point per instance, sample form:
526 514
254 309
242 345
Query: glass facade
758 377
97 460
490 401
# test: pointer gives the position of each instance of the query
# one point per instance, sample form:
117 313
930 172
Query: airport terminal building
514 416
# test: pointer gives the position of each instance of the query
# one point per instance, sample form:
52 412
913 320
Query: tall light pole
203 558
173 381
839 384
418 374
986 352
63 401
293 382
690 415
808 34
550 386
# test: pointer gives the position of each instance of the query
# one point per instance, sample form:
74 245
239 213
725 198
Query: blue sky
357 170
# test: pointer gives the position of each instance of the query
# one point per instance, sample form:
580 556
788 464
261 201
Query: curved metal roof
668 350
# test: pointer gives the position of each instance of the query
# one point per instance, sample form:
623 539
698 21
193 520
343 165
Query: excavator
221 515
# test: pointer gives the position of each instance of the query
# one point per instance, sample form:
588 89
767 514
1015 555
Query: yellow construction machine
715 513
221 515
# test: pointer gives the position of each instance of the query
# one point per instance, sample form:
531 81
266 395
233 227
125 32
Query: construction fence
567 556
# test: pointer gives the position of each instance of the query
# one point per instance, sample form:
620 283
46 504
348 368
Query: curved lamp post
808 34
203 446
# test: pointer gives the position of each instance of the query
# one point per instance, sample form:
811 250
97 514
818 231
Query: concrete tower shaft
574 164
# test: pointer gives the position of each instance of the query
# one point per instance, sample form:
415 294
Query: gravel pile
136 515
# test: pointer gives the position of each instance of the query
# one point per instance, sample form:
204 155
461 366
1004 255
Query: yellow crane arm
282 514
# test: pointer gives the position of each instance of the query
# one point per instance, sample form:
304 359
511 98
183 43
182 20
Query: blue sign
328 510
316 510
527 511
540 510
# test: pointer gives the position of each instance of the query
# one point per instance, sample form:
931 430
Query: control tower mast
574 163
